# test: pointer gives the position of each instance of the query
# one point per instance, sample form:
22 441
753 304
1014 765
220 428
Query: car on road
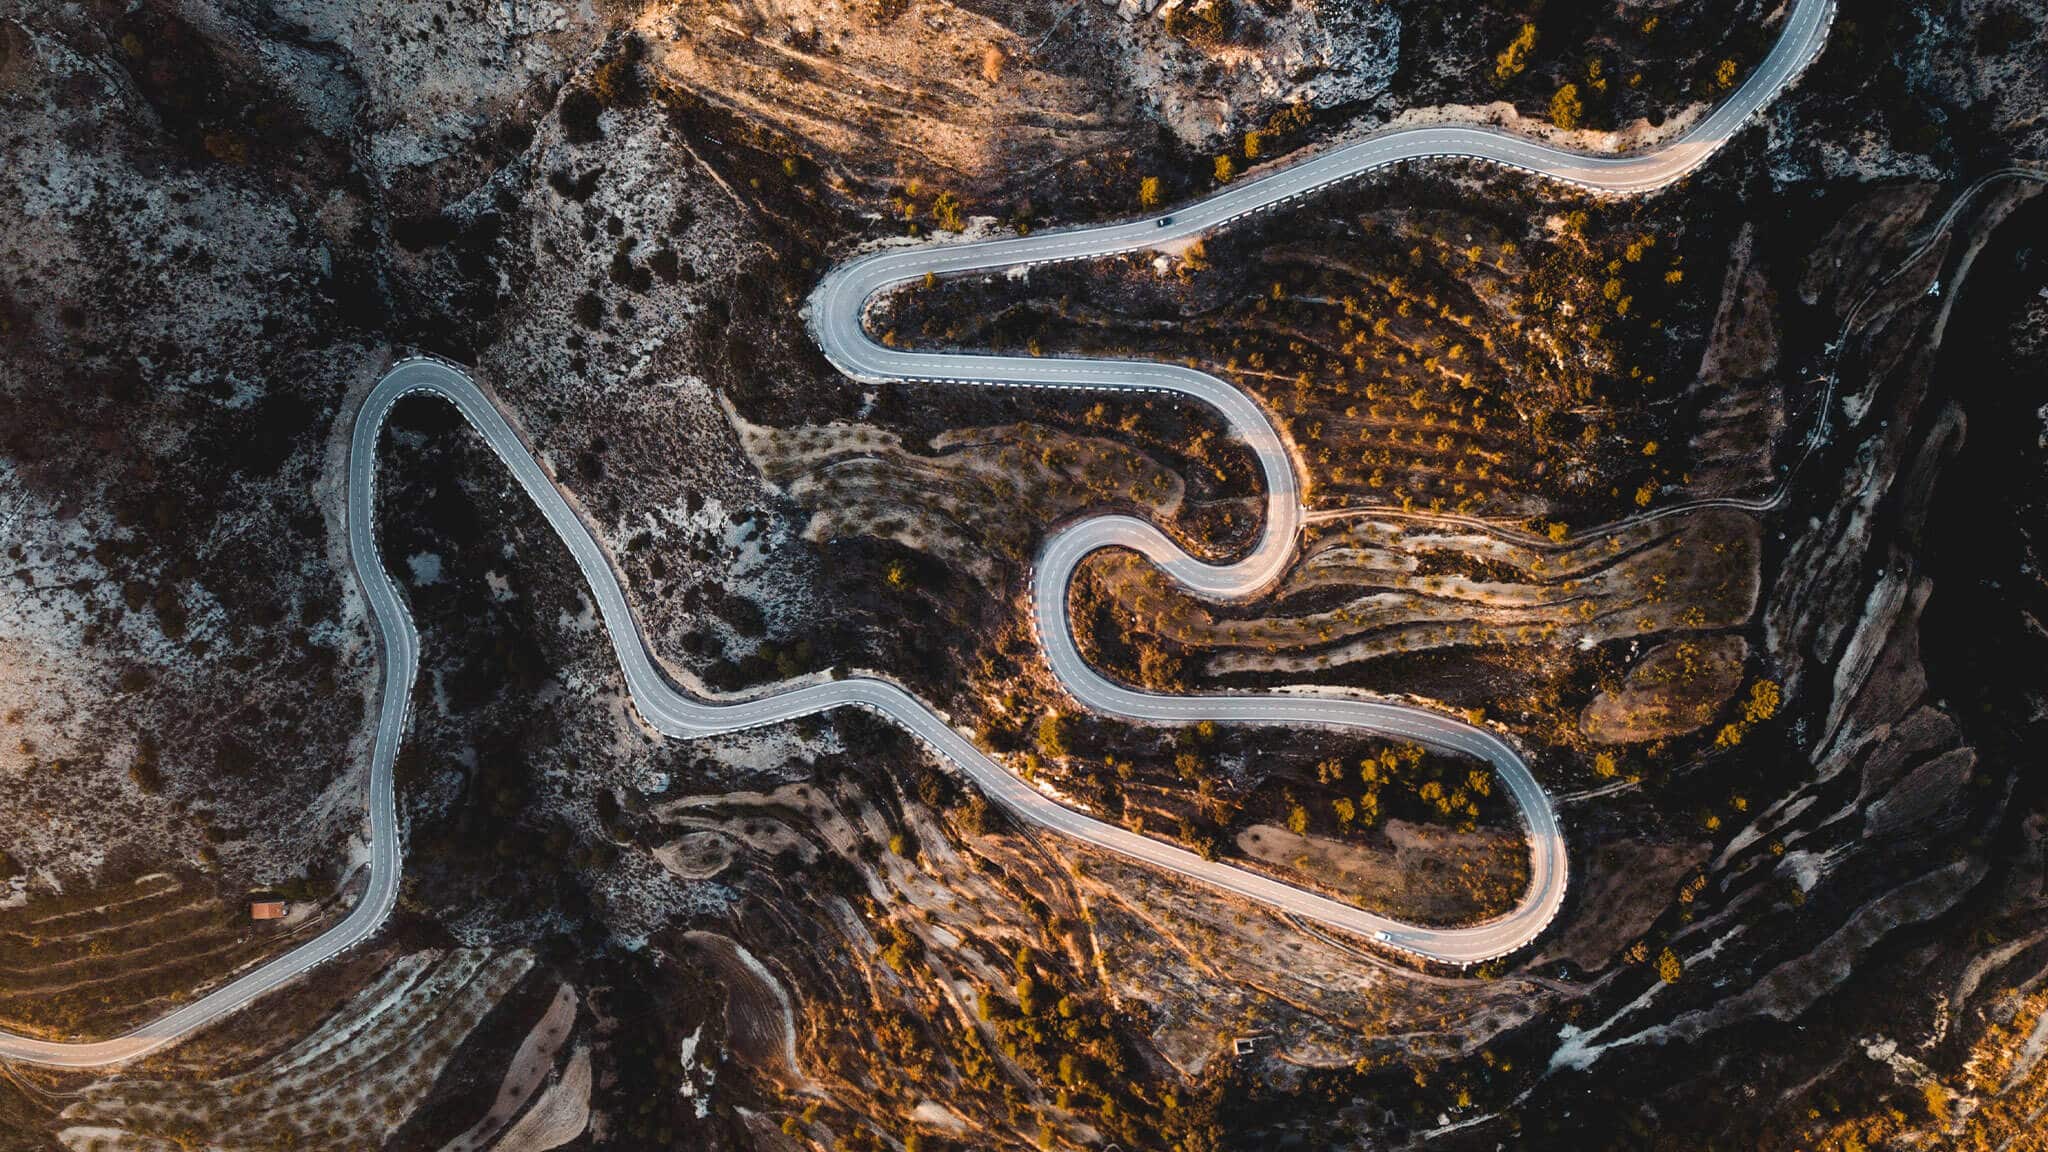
1165 220
1383 936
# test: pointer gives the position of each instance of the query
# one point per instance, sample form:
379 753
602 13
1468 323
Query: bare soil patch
1428 875
1677 687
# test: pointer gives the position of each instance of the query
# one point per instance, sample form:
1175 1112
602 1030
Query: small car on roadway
1165 220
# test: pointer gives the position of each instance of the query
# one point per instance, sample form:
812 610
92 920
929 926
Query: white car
1383 937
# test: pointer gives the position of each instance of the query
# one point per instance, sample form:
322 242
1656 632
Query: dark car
1165 220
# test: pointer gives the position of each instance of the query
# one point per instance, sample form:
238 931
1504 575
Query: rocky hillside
1791 745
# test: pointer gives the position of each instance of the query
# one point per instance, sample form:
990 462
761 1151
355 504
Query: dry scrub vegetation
1466 389
1677 687
1211 970
1994 1102
1505 360
962 982
1586 66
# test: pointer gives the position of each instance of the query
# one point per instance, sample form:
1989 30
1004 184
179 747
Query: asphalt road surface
835 318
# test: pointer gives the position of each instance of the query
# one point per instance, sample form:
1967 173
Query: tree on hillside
1204 23
1515 57
1052 735
1566 109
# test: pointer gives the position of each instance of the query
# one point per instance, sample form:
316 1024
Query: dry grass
524 1073
559 1116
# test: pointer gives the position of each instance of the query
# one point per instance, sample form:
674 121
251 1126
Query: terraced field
96 962
1375 588
346 1085
979 497
1509 361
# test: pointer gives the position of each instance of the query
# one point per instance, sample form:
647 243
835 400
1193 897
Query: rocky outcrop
1888 829
1349 52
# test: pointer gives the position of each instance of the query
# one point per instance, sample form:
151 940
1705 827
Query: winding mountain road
835 317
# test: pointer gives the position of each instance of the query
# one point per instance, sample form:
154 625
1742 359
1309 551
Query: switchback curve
834 315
